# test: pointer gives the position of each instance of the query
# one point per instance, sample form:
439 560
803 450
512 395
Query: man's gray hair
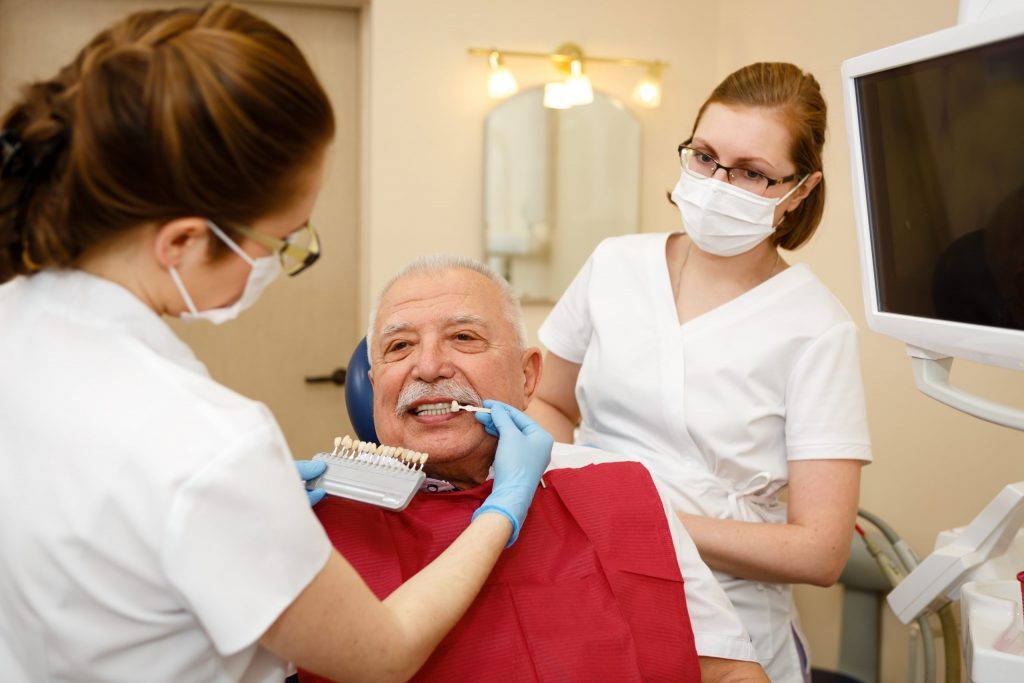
436 264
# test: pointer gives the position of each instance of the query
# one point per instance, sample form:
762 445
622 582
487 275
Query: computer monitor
936 131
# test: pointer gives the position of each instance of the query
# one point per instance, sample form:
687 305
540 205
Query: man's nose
433 363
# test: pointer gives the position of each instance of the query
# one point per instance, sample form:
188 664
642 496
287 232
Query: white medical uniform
717 629
717 407
152 523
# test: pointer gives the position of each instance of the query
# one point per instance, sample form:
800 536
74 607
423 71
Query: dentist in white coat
733 375
152 525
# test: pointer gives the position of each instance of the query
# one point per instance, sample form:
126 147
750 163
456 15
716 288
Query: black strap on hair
13 162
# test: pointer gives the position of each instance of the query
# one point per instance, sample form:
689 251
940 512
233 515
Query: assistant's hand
524 451
309 470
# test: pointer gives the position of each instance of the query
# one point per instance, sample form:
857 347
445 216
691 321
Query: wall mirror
556 182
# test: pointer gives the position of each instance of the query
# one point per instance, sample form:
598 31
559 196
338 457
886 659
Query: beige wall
935 468
427 102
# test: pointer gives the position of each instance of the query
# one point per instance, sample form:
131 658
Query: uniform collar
97 302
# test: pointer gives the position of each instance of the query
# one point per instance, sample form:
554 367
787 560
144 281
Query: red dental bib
591 591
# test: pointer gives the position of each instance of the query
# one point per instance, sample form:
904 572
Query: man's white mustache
443 388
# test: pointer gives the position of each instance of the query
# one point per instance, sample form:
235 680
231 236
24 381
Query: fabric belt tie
744 499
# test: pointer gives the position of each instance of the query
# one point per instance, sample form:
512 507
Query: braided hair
189 112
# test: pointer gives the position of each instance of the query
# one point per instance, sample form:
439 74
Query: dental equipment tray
385 476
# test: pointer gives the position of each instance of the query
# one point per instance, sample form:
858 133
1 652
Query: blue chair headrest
359 394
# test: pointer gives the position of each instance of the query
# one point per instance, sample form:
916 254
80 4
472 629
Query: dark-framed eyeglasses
703 165
297 252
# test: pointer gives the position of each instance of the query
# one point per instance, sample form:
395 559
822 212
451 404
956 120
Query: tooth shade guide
377 474
375 455
456 407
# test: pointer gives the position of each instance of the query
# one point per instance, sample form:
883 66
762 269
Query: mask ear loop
181 290
787 196
230 242
795 188
177 278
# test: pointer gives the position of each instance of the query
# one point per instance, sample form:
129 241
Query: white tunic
718 406
152 525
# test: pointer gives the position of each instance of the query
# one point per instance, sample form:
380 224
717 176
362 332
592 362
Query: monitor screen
936 135
942 153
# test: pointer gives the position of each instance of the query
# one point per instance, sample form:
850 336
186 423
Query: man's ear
533 365
177 238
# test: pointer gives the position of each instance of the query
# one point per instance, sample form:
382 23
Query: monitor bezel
925 337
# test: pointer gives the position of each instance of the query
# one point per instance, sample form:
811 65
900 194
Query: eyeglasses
702 164
297 252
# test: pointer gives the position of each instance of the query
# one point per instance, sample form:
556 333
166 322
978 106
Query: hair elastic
11 154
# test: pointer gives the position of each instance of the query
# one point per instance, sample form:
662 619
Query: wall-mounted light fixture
573 87
500 83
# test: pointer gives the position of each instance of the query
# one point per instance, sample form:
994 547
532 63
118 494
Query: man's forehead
452 297
397 324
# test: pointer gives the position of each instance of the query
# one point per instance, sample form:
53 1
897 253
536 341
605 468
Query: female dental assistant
731 374
152 526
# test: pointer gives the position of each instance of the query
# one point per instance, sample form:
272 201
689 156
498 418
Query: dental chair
359 394
864 584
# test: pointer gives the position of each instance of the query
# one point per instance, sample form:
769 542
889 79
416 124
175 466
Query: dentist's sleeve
567 329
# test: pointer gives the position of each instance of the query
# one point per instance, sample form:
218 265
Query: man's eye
396 346
468 342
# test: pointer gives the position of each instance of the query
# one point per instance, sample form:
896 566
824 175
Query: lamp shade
647 92
556 96
578 85
500 82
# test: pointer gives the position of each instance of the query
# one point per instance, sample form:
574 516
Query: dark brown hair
796 97
207 112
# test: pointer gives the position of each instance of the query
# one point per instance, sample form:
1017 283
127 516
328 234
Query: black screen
943 148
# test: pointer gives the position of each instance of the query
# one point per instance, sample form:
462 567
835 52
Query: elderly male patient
593 589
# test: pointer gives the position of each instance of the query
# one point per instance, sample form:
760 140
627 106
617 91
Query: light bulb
578 85
648 91
500 83
556 96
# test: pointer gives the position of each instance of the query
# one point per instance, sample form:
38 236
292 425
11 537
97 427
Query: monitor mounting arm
931 373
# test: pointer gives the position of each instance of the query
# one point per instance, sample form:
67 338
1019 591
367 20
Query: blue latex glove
309 470
524 451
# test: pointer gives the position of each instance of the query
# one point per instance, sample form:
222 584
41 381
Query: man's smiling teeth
436 408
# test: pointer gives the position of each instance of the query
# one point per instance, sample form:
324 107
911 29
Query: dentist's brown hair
208 112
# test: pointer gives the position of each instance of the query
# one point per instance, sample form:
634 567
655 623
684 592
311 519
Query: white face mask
722 219
264 270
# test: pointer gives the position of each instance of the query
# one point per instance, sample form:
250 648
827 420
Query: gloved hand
524 451
309 470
